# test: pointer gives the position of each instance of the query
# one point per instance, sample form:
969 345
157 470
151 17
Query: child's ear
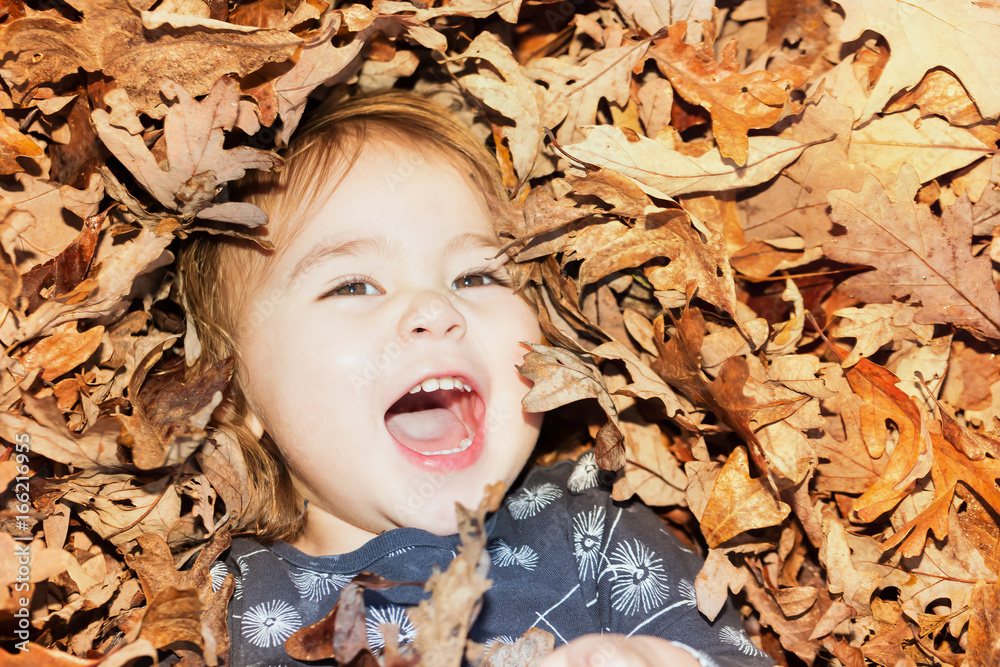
253 423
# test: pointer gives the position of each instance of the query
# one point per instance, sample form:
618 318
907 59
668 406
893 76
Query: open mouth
438 417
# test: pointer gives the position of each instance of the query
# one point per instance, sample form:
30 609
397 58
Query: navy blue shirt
566 558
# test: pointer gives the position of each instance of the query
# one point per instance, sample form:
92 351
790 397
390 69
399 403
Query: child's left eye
480 279
473 280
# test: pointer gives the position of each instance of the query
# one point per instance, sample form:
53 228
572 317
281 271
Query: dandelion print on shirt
391 615
218 572
688 595
739 639
588 527
502 639
637 578
504 555
317 585
530 501
270 623
584 475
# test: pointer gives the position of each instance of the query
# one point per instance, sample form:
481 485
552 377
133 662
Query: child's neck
323 534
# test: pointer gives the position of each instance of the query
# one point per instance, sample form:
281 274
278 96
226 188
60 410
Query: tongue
427 431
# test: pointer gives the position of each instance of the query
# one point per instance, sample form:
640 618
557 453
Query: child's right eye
353 286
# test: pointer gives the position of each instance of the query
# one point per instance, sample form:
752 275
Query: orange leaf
738 102
739 503
13 145
912 455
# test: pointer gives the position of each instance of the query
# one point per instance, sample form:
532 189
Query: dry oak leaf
63 351
644 383
121 507
443 620
959 36
939 94
575 90
877 324
915 254
111 38
951 467
932 146
738 102
561 377
96 448
984 625
38 243
169 410
197 164
795 203
514 96
913 453
36 655
64 271
106 289
506 9
183 605
716 578
936 574
696 255
13 145
849 467
341 634
739 503
318 62
652 15
665 173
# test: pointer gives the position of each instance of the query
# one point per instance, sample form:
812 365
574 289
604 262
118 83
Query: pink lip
448 463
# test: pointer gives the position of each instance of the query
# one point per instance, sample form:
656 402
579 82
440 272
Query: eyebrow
379 244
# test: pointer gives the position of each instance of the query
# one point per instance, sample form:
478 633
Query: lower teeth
462 446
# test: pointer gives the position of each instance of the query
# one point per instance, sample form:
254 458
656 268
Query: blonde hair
213 269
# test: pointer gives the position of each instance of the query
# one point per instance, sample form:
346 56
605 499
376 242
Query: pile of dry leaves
763 234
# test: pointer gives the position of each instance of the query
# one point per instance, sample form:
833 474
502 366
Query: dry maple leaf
738 102
959 36
915 254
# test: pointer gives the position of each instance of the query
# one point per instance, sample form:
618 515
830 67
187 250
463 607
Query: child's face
332 353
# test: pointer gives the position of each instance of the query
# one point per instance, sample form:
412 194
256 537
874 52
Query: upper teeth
433 384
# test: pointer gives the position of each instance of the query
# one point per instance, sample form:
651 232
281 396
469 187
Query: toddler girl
375 387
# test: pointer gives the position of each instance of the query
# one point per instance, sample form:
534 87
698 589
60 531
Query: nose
431 314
